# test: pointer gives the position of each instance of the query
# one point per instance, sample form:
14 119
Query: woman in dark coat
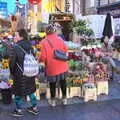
22 85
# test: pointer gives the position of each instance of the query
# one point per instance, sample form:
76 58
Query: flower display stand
89 94
102 87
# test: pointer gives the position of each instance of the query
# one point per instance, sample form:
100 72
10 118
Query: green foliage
80 23
70 26
82 29
76 65
89 32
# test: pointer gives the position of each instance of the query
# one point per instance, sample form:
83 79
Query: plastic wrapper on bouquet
5 81
4 74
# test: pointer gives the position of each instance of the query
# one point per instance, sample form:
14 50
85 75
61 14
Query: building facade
99 6
88 7
51 6
112 7
3 10
76 5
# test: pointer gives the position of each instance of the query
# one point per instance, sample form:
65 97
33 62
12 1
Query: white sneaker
52 103
64 101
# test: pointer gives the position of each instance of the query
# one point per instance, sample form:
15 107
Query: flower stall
88 74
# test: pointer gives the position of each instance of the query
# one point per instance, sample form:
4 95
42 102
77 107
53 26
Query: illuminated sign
3 10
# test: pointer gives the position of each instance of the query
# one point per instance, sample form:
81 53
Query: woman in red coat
56 70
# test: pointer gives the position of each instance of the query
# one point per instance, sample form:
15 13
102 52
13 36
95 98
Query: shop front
114 10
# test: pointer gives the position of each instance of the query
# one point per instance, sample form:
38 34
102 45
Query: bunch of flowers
5 80
77 79
101 72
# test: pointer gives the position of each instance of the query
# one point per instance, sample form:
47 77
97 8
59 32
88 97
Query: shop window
117 26
92 3
112 1
103 2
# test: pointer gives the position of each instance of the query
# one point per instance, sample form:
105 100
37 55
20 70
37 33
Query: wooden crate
71 92
102 87
75 92
89 94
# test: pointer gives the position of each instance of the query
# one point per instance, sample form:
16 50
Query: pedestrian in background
22 85
56 70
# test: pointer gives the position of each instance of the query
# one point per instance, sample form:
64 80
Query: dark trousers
53 89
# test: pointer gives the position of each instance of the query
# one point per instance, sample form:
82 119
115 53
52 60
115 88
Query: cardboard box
102 87
75 91
89 94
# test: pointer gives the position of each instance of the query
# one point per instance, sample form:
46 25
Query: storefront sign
34 1
112 12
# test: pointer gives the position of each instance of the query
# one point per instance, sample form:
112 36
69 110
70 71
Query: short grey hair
49 29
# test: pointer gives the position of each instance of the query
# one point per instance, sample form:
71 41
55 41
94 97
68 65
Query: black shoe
33 110
17 113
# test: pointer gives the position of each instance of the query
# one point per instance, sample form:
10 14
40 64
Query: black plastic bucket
6 96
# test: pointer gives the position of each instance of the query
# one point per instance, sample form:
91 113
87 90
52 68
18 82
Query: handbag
59 54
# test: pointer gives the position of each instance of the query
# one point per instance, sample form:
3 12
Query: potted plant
81 28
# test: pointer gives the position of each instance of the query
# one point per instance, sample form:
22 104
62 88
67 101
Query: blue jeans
18 101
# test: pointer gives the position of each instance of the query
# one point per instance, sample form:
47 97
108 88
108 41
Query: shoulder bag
59 54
